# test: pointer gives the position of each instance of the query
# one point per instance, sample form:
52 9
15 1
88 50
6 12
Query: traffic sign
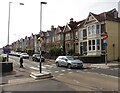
105 43
105 36
41 40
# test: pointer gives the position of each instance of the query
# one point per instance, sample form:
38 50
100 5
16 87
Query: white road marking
76 81
42 66
70 72
35 68
68 69
63 70
56 71
78 71
61 74
48 66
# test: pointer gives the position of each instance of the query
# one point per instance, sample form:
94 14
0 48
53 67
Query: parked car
24 55
36 57
69 61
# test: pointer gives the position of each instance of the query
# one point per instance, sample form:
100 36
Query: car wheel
32 59
69 66
57 64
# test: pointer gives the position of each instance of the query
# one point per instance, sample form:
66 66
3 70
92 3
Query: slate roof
107 16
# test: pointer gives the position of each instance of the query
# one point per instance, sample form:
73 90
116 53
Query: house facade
91 36
71 37
83 38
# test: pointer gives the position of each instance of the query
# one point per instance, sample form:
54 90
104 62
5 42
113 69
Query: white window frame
81 34
76 35
98 31
90 30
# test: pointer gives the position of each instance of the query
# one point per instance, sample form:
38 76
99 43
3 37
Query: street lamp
40 32
9 27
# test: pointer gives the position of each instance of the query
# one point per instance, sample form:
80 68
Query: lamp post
9 28
40 32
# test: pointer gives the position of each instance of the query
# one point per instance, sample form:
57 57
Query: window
93 44
89 30
103 28
97 29
68 36
98 44
89 45
58 37
93 29
81 34
76 35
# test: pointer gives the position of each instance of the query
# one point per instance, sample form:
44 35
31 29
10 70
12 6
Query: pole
9 28
40 35
8 31
105 55
40 68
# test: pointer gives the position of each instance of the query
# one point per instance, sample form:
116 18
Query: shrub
55 51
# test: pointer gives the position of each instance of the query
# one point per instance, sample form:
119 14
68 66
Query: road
87 79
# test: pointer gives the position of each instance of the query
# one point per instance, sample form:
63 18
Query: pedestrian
21 62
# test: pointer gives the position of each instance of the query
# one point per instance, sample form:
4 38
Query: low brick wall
6 67
93 59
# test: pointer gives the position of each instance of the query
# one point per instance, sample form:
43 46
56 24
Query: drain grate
19 75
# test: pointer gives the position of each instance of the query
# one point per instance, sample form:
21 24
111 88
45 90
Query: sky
25 19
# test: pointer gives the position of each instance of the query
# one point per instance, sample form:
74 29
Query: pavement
110 65
22 75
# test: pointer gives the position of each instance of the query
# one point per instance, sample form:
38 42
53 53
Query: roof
73 25
61 27
110 16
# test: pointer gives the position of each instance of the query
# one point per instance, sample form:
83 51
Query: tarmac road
42 85
70 79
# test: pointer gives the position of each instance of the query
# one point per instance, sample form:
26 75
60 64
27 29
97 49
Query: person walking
21 62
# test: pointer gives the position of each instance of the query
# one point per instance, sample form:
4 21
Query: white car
24 55
69 61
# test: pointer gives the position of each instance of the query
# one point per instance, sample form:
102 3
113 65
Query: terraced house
91 39
83 38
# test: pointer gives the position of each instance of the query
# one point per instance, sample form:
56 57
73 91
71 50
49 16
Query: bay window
81 35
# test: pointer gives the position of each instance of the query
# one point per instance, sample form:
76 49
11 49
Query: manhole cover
19 75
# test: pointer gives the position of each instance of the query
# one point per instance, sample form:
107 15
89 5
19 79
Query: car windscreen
24 54
70 58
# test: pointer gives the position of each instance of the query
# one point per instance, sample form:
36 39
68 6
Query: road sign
105 36
105 43
41 40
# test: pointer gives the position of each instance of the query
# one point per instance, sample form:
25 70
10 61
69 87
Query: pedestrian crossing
53 69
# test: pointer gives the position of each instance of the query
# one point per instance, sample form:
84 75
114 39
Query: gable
58 30
67 28
91 19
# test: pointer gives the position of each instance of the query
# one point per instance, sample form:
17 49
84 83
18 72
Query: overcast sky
25 20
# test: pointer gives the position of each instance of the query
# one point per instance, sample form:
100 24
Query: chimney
52 27
71 20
